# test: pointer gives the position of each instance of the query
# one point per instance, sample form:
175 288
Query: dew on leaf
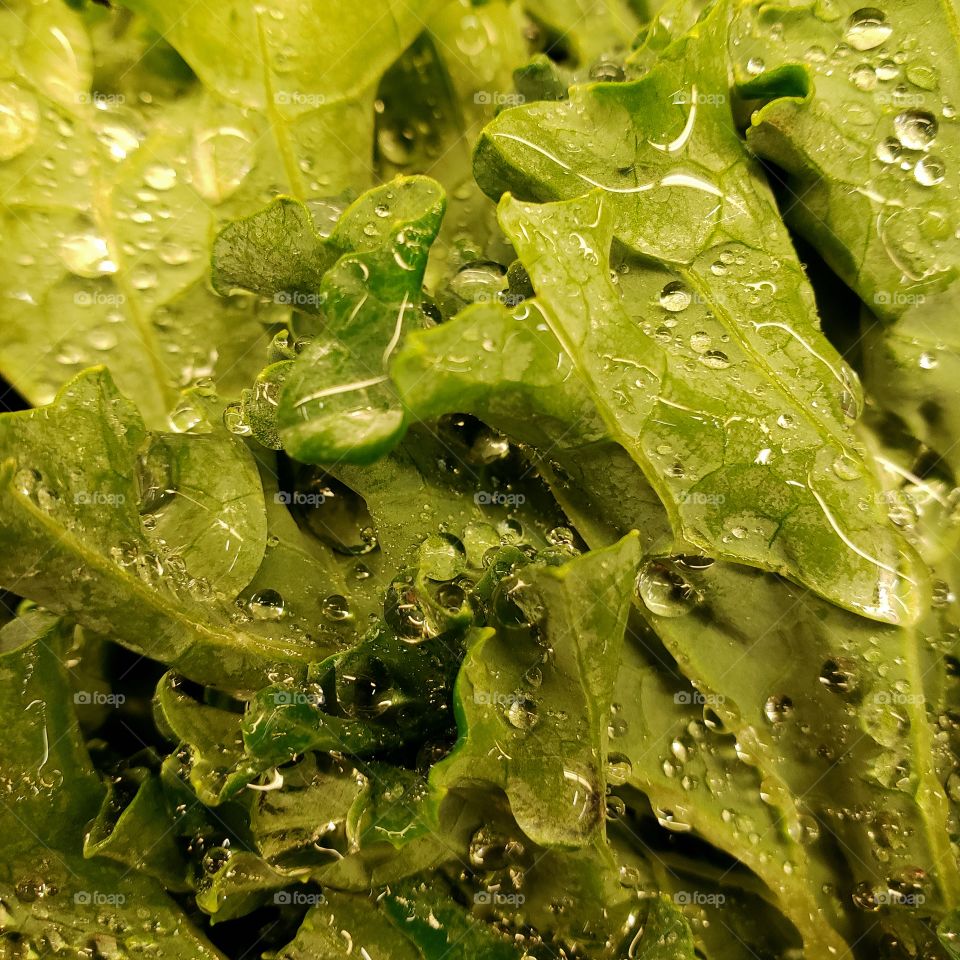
930 171
867 28
19 120
336 608
266 605
664 591
675 297
87 255
915 129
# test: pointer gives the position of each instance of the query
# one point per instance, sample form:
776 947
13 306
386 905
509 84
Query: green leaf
761 481
133 828
343 922
310 69
660 717
544 744
333 402
213 739
275 253
871 152
47 775
53 899
746 356
84 548
336 402
107 214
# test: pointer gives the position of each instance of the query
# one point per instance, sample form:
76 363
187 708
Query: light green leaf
757 480
659 718
53 899
544 744
82 546
105 214
336 402
871 149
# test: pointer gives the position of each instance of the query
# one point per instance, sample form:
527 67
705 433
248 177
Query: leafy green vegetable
442 516
871 149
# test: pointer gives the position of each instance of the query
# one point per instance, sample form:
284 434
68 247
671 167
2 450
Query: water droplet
953 786
19 120
522 713
664 591
607 71
86 255
490 850
404 614
927 361
840 676
715 360
887 70
930 171
266 605
867 28
922 75
619 769
889 150
846 468
159 176
442 557
755 66
671 820
234 421
222 158
778 708
675 297
915 129
616 809
336 608
864 77
700 341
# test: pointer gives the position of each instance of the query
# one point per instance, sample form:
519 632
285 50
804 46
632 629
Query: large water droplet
915 129
87 255
664 591
867 28
930 171
19 120
266 605
222 158
675 297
